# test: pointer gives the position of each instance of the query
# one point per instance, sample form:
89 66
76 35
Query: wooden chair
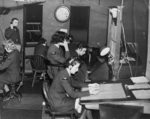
38 66
51 66
52 113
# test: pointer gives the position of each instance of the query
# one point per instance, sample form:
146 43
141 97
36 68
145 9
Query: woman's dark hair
82 45
64 35
70 38
13 20
42 40
72 61
56 39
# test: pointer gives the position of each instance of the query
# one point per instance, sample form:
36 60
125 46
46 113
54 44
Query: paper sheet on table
141 94
139 86
140 79
107 91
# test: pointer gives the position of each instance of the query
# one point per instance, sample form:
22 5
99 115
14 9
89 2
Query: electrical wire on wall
38 28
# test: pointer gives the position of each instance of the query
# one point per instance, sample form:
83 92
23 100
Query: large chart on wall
79 23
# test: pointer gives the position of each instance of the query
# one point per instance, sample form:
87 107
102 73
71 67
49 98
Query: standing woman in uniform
12 32
63 97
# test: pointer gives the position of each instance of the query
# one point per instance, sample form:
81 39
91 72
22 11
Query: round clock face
62 13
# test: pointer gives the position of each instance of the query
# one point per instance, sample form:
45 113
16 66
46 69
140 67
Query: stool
13 91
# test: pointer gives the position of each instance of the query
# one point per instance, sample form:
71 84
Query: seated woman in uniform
10 66
63 97
56 55
67 37
41 48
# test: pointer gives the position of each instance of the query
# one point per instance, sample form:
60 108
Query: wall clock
62 13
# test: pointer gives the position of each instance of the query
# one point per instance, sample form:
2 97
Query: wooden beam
148 48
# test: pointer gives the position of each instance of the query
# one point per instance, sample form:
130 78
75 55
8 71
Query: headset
72 61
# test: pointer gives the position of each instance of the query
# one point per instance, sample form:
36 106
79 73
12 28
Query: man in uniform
78 52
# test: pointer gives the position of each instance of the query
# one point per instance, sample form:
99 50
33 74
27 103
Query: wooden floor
34 114
21 113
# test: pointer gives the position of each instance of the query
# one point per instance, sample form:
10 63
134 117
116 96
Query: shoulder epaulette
8 57
53 53
64 78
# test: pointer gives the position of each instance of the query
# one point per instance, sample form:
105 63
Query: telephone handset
13 27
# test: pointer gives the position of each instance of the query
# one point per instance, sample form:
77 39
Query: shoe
7 96
41 77
87 80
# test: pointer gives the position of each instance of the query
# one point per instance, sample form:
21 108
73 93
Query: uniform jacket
40 49
62 95
10 68
56 55
12 34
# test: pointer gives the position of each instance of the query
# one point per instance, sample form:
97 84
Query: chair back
38 62
53 69
45 92
53 113
48 63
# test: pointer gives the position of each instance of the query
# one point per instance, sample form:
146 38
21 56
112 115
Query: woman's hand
93 85
93 90
66 45
11 26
